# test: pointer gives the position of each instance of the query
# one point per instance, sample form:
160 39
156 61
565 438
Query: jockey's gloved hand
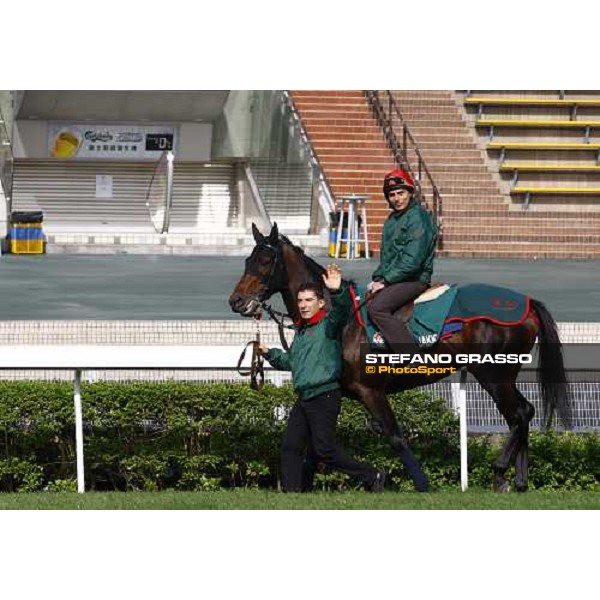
375 286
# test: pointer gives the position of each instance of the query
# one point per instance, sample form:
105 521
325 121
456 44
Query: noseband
277 278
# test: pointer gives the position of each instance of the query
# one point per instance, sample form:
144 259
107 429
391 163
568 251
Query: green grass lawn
271 500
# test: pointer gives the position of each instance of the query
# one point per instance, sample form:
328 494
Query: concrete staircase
479 220
350 147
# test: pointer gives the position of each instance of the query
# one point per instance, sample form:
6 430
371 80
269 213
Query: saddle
405 313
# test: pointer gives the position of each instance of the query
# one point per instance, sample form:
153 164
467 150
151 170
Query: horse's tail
552 376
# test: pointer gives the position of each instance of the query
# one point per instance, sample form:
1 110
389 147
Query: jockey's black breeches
386 302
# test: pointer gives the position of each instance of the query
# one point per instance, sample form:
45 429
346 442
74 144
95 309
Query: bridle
277 278
256 371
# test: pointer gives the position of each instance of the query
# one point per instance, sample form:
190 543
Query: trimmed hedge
188 436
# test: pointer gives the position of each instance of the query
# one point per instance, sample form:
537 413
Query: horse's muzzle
236 301
241 305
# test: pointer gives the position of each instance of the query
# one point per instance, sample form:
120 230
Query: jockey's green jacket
407 246
315 356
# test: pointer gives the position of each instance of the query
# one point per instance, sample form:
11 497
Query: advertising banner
68 141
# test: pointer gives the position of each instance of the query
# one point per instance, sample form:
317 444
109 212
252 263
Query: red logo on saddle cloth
504 304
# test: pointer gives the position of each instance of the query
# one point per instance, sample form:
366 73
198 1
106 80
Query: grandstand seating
480 216
547 147
471 196
542 146
564 130
490 101
540 123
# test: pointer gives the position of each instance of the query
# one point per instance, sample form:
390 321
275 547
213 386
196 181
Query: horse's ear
259 238
274 235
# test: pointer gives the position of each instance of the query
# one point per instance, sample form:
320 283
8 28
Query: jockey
406 259
315 360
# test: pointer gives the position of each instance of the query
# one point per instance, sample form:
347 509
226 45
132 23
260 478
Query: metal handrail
316 165
400 150
256 194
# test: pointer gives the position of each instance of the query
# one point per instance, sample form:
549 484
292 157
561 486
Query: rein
280 324
256 372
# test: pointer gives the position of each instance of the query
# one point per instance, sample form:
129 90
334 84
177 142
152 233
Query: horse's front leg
377 404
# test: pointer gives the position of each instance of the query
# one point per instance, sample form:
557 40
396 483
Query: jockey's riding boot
402 340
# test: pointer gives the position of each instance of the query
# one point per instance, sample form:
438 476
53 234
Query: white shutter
204 196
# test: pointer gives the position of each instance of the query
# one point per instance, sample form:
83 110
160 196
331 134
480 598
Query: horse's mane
313 266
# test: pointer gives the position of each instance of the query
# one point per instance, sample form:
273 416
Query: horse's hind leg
517 412
525 412
377 404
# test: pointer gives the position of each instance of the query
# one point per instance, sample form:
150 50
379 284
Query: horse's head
264 274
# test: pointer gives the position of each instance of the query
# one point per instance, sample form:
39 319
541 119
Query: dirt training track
193 287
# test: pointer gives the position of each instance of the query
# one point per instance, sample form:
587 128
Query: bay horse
276 265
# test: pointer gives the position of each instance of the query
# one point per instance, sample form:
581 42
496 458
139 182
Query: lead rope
256 371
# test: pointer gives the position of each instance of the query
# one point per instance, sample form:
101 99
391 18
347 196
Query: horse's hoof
503 488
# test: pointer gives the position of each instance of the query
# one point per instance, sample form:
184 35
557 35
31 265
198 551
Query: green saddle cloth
500 305
428 318
459 304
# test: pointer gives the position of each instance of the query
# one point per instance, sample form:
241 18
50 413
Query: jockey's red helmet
396 180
